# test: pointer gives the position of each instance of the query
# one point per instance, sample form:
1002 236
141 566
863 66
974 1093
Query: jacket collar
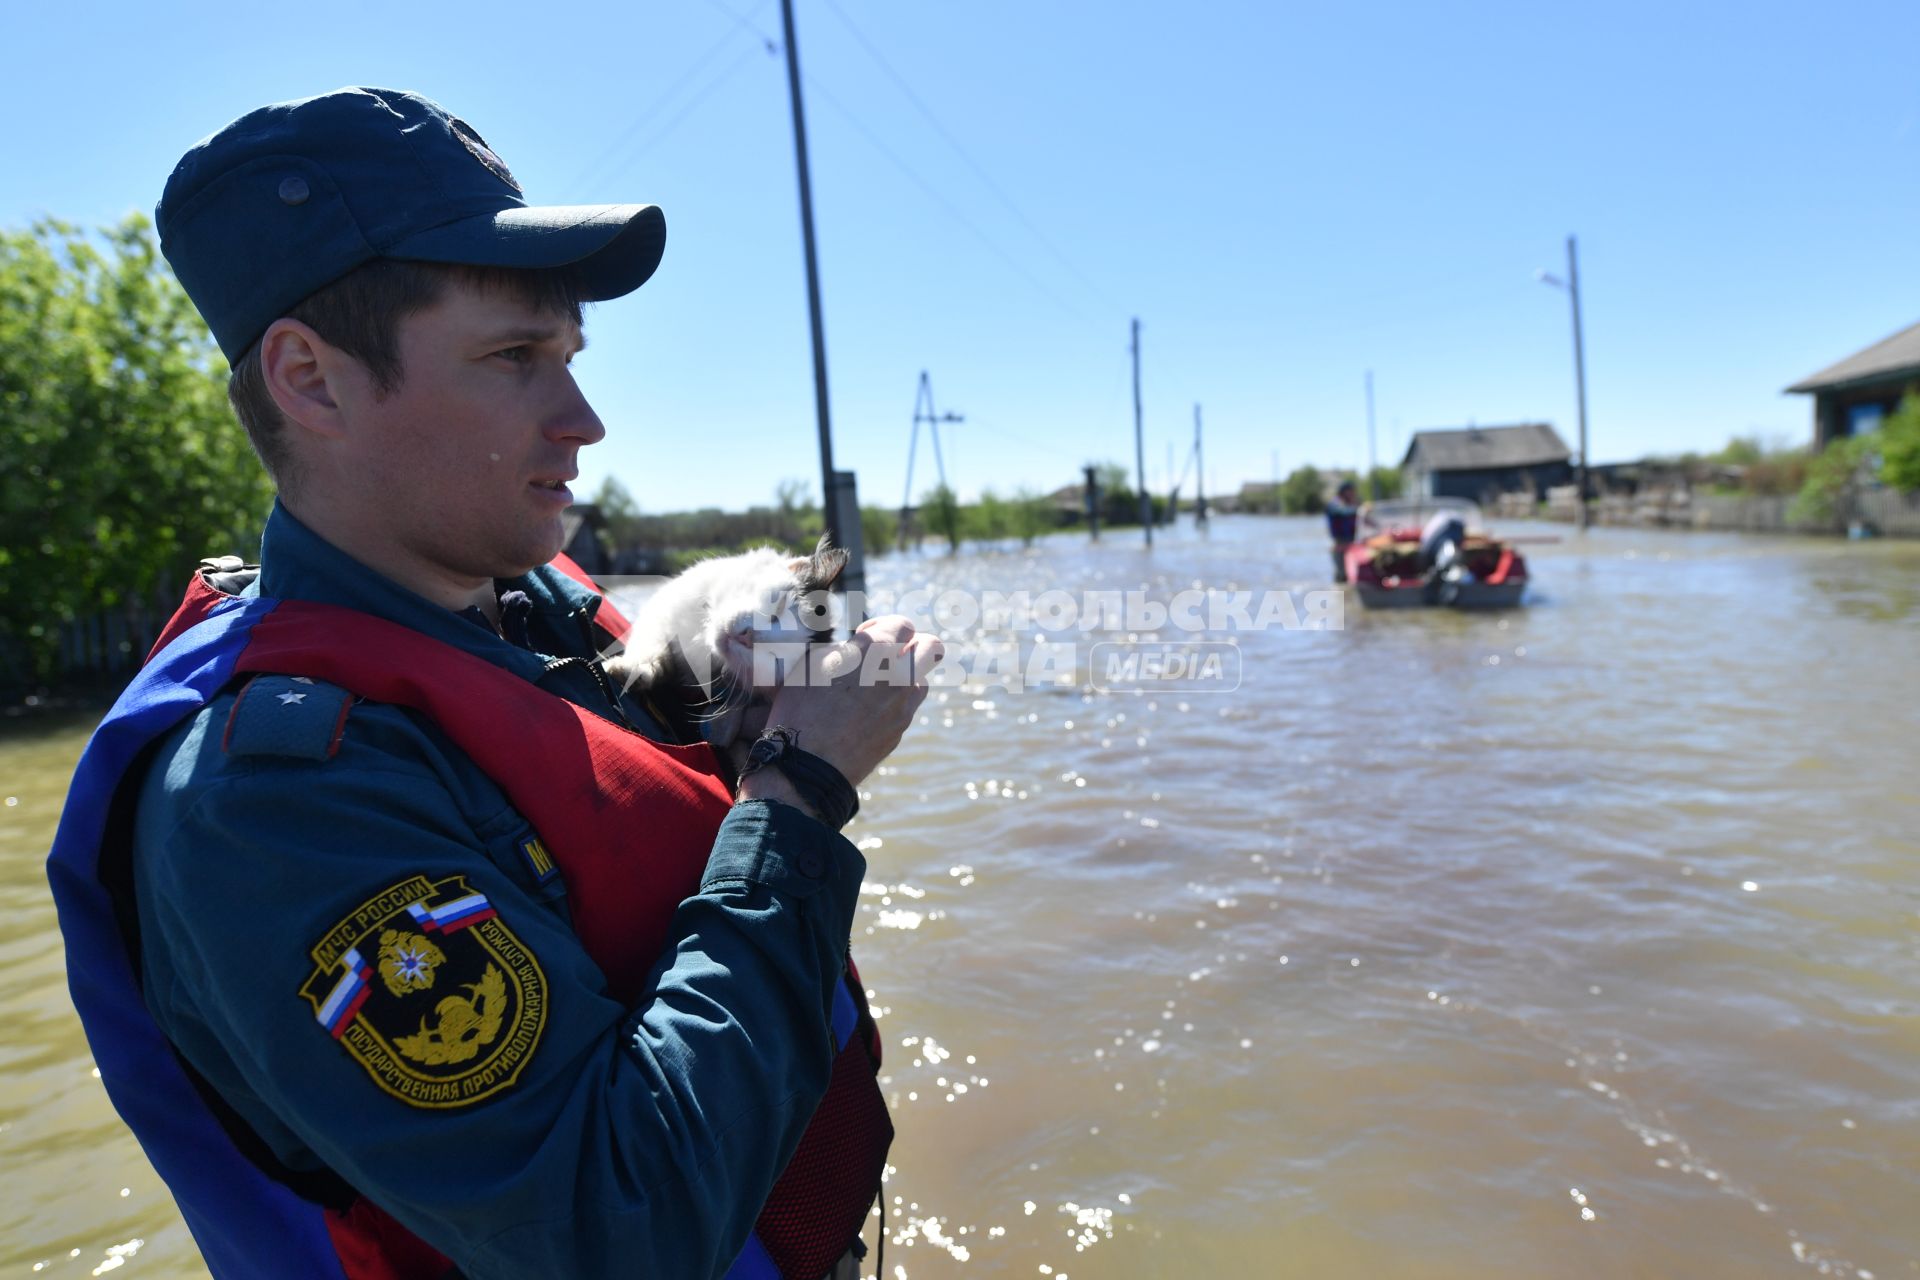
298 564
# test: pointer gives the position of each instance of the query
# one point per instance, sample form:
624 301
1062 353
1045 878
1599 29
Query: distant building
581 525
1069 503
1480 463
1255 495
1851 397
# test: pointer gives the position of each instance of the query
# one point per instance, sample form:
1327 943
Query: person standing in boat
1345 514
402 941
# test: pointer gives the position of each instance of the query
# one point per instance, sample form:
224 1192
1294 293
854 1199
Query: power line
912 175
926 112
942 201
746 22
647 116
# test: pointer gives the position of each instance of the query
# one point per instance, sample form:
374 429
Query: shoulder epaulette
294 716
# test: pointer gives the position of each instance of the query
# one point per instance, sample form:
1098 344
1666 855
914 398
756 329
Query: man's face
458 466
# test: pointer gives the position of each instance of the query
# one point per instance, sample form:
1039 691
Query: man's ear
295 363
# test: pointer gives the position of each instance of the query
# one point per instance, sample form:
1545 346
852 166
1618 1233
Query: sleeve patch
538 860
428 989
287 716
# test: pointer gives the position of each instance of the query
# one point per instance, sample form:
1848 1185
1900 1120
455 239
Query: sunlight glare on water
1582 940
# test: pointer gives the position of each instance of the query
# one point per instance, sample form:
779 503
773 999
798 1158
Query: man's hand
853 703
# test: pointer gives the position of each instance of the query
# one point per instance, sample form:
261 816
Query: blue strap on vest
246 1224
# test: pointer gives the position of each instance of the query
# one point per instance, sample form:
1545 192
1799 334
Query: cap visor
612 248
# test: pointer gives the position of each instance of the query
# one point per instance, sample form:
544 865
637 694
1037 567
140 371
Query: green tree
991 518
1115 481
1382 480
1741 451
620 511
1900 446
1119 503
878 528
1832 478
798 517
940 511
1032 514
1301 493
124 465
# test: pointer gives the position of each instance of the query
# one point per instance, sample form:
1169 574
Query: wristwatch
819 783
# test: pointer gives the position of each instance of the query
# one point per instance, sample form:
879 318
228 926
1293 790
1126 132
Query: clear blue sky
1286 195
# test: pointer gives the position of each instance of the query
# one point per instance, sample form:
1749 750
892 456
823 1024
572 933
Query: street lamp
1572 285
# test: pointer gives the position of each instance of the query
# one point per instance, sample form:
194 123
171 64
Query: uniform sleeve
578 1137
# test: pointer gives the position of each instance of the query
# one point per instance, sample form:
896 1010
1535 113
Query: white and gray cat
691 650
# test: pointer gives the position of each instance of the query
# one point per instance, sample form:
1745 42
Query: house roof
1889 357
1478 448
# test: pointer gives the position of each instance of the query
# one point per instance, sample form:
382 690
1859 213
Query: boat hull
1501 584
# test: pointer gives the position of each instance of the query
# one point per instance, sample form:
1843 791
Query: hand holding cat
856 702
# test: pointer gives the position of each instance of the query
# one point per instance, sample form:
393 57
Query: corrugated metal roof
1889 356
1476 448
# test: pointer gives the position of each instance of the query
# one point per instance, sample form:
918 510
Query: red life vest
630 824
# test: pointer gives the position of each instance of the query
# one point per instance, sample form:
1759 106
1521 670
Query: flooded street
1576 941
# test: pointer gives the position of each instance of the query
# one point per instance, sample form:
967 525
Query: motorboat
1434 551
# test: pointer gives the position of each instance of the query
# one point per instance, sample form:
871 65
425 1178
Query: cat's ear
826 563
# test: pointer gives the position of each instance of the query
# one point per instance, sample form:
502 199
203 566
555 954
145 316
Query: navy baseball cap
291 197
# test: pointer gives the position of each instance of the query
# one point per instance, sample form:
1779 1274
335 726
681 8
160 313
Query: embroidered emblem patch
429 990
484 153
539 861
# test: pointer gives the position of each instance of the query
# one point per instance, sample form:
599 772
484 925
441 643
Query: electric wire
648 115
979 172
826 95
745 22
852 118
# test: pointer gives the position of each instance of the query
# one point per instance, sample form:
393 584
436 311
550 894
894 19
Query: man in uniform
346 900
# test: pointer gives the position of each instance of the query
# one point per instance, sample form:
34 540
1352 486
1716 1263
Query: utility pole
923 396
1092 500
1579 378
853 578
1572 285
1173 488
1139 442
1199 473
1373 461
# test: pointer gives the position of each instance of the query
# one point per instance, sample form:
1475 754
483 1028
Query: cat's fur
692 642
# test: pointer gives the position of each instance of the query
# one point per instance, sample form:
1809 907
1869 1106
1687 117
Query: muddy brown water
1581 941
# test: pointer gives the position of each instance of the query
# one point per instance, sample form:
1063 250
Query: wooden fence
101 647
1885 512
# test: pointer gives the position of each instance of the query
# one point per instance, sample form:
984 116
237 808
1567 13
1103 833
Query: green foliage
793 500
1032 514
989 519
1781 472
1832 477
1116 484
878 529
619 510
123 464
680 559
1900 446
1301 492
793 523
1119 500
1768 470
1741 451
940 512
1382 483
